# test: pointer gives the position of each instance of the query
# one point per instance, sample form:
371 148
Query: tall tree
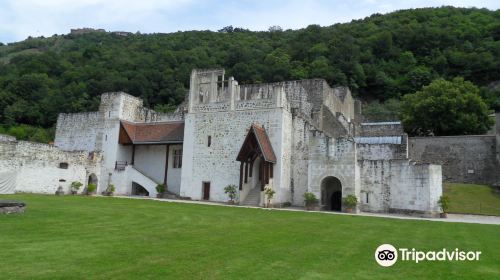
445 108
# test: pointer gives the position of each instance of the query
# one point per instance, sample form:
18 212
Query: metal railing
120 165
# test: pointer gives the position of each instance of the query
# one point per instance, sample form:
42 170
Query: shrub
91 188
310 199
75 186
350 201
444 203
111 188
160 188
231 191
269 192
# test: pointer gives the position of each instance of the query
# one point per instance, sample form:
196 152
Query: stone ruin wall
399 186
381 151
381 129
35 167
464 159
300 133
217 164
332 157
78 131
383 172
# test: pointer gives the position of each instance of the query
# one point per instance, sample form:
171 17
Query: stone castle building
294 137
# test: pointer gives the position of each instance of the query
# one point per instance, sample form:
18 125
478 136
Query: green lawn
472 199
112 238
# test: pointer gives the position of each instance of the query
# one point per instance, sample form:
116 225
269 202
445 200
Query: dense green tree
380 112
379 58
445 108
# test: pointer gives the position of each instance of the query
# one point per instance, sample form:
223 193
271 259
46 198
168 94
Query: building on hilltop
294 137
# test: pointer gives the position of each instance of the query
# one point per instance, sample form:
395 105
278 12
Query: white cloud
23 18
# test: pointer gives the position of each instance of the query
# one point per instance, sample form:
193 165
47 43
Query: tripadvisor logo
387 255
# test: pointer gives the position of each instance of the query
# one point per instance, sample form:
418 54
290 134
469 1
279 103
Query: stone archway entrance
92 179
331 194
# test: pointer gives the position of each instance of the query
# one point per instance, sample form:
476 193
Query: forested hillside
379 57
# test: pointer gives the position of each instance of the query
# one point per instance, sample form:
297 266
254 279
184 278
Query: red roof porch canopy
151 133
256 145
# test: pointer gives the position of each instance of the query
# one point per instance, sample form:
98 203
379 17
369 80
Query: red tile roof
151 133
259 134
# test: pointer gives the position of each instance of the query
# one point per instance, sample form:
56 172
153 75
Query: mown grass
472 199
112 238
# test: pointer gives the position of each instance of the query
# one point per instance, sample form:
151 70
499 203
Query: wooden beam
241 175
166 167
246 172
271 170
266 173
260 170
133 154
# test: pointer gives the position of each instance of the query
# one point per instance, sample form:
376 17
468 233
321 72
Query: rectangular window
209 141
178 158
366 197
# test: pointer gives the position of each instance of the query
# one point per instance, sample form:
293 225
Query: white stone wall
300 160
333 158
217 164
37 166
400 186
150 160
381 151
77 132
174 174
284 164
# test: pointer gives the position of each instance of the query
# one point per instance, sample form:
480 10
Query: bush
269 192
160 188
91 188
310 199
444 203
350 201
75 186
111 188
231 191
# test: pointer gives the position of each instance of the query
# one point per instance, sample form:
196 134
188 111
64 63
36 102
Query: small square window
63 165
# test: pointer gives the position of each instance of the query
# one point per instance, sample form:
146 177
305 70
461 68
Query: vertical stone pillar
213 88
192 90
231 87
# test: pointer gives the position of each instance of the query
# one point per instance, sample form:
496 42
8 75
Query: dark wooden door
206 190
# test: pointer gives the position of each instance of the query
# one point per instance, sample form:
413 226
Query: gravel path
452 218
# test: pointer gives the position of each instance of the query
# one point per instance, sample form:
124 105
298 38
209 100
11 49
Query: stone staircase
253 197
140 178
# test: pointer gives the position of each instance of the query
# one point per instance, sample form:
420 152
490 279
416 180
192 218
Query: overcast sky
22 18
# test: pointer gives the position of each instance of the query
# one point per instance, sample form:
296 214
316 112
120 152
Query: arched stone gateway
92 179
331 194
